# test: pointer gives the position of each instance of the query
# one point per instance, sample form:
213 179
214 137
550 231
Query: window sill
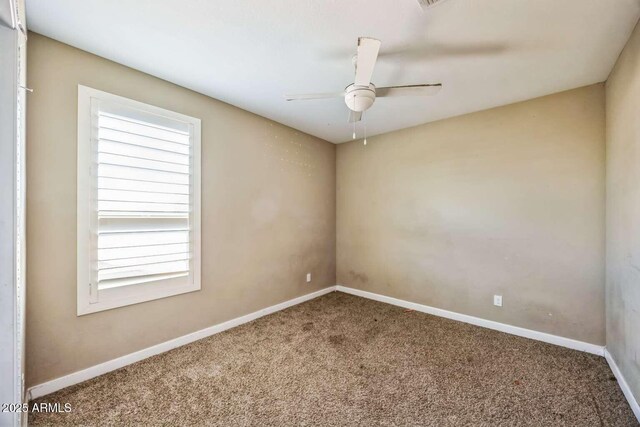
112 300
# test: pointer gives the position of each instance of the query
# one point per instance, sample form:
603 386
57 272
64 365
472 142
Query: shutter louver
143 201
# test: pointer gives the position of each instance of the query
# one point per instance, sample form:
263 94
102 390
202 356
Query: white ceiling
249 53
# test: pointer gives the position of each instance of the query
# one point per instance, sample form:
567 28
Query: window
138 202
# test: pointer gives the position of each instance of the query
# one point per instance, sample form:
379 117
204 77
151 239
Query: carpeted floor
342 360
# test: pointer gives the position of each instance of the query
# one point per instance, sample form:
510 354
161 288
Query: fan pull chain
365 127
354 123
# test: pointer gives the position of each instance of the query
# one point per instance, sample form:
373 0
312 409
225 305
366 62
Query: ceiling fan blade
436 51
355 116
410 90
368 49
426 4
307 96
428 51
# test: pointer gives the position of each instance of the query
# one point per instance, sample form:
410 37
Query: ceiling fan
361 94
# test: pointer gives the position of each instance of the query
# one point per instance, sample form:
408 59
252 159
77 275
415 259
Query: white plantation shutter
144 202
143 197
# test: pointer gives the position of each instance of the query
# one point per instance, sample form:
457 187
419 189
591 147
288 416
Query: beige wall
268 210
623 213
507 201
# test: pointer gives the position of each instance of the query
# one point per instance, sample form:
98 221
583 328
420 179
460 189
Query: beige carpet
343 360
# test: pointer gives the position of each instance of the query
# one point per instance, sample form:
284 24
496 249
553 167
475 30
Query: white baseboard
502 327
111 365
633 402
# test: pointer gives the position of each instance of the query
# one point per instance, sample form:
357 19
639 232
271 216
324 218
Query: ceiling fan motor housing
360 98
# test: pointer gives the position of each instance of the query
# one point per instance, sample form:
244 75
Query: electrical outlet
497 300
308 277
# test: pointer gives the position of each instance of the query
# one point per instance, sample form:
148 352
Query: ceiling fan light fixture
360 98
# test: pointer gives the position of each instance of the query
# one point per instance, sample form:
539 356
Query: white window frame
90 300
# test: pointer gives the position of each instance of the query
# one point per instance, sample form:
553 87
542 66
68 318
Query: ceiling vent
426 4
